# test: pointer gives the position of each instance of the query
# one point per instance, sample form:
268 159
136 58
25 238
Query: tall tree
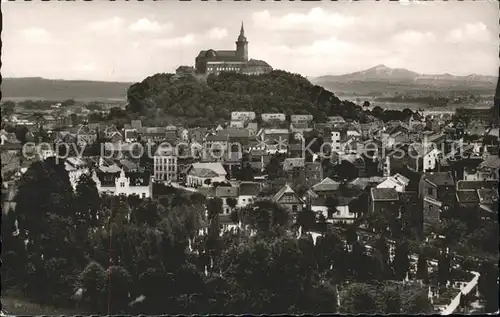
93 281
44 189
422 268
87 201
401 261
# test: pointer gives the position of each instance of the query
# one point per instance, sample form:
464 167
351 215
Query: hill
58 90
214 99
382 79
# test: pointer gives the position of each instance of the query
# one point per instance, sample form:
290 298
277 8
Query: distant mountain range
38 88
373 81
382 78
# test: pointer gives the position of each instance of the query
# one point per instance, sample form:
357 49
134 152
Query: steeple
242 45
242 37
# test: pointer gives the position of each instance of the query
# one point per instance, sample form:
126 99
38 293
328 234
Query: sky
128 41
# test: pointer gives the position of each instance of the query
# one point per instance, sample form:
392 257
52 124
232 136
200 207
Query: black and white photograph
249 157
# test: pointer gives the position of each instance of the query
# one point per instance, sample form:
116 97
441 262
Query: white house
184 135
204 174
354 132
301 118
242 116
75 167
165 164
431 158
237 124
247 193
336 140
113 180
266 117
398 182
342 213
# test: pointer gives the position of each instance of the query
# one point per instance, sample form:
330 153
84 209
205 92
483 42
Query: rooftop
326 184
439 178
217 168
384 194
492 161
487 196
467 196
471 185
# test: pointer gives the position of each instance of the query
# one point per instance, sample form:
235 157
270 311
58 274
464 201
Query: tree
148 212
401 261
382 254
377 221
390 300
422 268
20 132
416 302
488 285
43 189
366 104
358 298
377 112
444 266
266 216
87 201
93 281
231 202
346 171
273 169
331 204
306 219
118 287
245 173
8 108
330 251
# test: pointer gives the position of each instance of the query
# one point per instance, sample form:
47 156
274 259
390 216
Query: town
190 164
430 181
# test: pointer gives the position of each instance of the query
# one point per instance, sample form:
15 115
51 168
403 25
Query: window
122 184
429 191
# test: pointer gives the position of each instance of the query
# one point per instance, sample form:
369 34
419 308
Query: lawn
14 304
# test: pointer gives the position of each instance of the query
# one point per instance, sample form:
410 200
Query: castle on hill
215 61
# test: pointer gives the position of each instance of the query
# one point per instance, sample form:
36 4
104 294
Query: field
13 304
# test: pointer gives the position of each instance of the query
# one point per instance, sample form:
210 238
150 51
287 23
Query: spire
241 37
242 30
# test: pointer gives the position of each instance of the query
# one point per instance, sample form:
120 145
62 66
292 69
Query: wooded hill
217 96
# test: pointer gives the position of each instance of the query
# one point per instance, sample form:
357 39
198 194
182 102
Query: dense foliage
216 97
107 251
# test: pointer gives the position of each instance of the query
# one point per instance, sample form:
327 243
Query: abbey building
216 61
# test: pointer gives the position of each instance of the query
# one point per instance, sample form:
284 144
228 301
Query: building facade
217 61
165 165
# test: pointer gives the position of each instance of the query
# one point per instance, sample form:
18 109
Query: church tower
242 45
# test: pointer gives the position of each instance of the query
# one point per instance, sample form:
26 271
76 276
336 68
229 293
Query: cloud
84 67
217 33
146 26
470 32
35 35
108 26
175 41
316 19
318 48
412 38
